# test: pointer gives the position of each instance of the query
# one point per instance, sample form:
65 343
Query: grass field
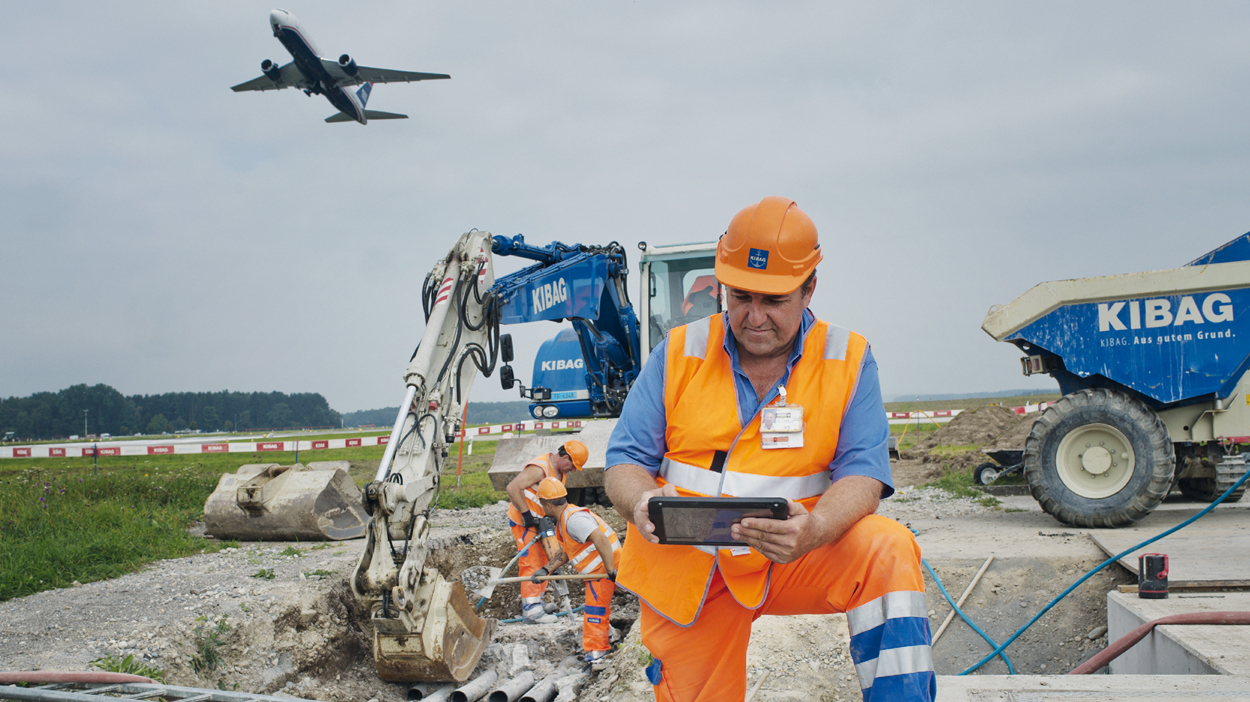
60 523
1014 401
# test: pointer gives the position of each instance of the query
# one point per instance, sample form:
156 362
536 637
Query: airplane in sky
320 76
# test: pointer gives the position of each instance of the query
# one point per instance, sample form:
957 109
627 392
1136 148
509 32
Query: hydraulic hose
514 620
1126 642
993 644
1104 564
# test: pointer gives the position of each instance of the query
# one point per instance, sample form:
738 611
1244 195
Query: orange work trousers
531 560
872 573
595 615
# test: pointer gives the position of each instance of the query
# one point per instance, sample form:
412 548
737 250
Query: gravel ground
300 633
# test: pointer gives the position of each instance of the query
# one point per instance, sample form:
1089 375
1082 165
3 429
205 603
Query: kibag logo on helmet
758 258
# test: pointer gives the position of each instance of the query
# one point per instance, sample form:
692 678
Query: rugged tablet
707 520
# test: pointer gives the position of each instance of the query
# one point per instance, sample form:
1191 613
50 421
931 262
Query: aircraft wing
367 74
289 77
385 75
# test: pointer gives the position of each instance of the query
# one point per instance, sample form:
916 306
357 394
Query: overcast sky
162 233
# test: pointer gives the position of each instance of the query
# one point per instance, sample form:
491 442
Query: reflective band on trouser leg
873 574
531 560
888 616
595 617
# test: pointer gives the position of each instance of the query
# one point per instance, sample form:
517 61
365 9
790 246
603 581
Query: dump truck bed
1173 336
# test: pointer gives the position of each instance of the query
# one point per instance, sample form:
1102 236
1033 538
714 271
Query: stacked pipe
474 689
547 688
510 690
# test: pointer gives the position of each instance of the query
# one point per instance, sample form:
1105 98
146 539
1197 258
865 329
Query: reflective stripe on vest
701 412
707 482
584 557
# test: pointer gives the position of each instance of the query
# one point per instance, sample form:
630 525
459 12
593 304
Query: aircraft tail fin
374 114
363 93
339 117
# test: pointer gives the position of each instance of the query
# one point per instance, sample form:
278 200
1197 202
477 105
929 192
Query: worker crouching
591 546
767 400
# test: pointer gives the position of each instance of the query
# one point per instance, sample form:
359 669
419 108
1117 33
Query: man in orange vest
693 426
525 513
587 542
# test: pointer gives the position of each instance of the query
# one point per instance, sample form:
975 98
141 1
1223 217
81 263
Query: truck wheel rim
1095 461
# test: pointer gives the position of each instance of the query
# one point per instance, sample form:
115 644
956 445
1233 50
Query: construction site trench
279 618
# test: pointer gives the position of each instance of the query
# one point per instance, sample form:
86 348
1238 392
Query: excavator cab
679 287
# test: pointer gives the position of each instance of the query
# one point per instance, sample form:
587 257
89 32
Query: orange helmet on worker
770 248
576 452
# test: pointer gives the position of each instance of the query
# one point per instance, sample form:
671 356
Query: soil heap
981 426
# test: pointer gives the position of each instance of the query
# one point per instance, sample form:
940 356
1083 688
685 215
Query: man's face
765 325
563 464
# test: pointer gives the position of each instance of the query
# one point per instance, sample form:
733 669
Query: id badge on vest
781 425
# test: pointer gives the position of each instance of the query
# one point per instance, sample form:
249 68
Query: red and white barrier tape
112 448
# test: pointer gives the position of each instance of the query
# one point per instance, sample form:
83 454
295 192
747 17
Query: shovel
492 574
490 586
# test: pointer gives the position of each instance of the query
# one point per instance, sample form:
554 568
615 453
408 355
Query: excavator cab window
682 291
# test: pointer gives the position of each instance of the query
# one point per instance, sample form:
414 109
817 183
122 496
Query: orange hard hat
770 248
551 489
577 452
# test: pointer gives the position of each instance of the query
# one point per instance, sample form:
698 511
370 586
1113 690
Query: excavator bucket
269 502
451 641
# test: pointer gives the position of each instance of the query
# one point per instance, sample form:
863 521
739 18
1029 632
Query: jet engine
348 64
271 70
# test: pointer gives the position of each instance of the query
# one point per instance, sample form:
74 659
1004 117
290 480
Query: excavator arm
424 628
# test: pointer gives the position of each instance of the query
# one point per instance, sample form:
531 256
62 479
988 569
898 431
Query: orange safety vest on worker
533 557
531 492
710 453
586 559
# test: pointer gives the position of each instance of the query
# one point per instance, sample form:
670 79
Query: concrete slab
1185 648
1091 688
1197 554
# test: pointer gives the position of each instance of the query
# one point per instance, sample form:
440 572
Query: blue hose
1102 565
558 614
993 644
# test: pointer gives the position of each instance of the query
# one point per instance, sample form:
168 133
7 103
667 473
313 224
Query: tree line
50 415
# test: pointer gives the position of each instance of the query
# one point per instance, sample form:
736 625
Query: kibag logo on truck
1155 313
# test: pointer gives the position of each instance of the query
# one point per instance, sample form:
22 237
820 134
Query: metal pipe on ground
475 688
430 692
510 690
1126 642
546 688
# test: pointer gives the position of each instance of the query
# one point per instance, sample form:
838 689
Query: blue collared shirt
862 438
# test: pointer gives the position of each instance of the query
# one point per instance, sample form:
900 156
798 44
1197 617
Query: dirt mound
1014 439
981 426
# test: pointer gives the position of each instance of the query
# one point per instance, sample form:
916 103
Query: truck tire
1099 458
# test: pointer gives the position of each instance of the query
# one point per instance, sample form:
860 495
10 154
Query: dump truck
1152 367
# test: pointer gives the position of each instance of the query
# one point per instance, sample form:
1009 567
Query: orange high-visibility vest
704 434
531 492
584 558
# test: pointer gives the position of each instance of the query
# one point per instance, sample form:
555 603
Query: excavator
424 628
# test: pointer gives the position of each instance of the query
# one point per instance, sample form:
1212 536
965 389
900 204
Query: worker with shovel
525 514
591 546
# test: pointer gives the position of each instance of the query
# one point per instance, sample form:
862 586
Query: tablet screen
699 521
